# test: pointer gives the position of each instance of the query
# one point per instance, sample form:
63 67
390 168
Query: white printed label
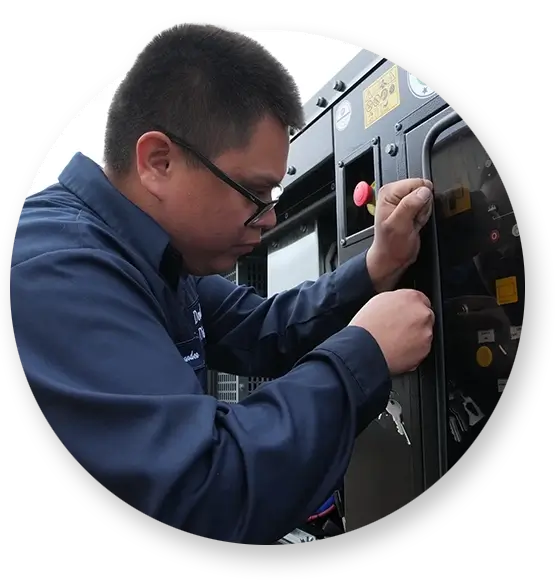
486 336
501 385
418 88
515 332
343 115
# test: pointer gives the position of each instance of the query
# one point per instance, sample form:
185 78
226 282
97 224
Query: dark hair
206 84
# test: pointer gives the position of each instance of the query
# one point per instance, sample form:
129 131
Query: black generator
375 123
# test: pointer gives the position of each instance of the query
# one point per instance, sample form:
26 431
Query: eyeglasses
262 207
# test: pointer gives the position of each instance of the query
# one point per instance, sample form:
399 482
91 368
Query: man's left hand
402 209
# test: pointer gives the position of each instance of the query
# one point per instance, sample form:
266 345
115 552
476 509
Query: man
118 307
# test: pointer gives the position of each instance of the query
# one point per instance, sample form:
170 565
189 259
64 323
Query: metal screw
321 102
488 163
291 170
339 85
343 242
303 228
332 186
374 141
398 127
391 149
340 164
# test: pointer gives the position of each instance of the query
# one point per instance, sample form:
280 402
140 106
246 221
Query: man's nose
268 220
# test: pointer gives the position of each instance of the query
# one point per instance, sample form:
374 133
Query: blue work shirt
115 340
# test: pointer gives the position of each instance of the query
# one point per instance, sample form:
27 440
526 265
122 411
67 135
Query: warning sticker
506 290
502 385
456 201
515 332
486 336
381 97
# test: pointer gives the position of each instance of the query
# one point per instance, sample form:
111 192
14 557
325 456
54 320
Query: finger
396 191
423 216
409 207
426 300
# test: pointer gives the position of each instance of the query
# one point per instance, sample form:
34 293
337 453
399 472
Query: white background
85 132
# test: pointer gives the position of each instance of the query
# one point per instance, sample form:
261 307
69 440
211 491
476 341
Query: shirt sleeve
249 335
120 397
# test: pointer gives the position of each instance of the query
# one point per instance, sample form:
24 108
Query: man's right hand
401 322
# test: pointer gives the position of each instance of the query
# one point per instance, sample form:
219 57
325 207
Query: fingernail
424 194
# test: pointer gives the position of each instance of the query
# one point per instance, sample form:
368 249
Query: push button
364 194
484 356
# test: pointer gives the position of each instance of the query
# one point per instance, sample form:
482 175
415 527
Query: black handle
433 366
437 129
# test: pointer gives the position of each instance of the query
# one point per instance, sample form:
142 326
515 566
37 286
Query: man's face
203 215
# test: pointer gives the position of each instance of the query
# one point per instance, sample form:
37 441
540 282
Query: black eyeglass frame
262 207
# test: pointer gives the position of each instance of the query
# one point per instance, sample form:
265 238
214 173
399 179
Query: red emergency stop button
363 194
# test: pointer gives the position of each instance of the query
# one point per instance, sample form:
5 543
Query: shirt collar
87 180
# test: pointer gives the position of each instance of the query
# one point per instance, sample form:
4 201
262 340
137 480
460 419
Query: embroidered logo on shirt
191 357
198 319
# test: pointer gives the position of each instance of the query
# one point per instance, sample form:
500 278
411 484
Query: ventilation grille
227 387
254 382
255 276
231 276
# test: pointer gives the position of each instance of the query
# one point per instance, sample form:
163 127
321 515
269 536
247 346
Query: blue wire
326 505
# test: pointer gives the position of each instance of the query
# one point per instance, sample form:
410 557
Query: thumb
415 207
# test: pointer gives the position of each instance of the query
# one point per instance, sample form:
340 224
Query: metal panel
367 96
384 472
294 260
302 159
324 99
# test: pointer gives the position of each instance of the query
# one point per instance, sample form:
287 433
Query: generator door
477 285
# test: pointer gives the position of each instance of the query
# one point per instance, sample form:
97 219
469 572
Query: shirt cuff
357 349
352 282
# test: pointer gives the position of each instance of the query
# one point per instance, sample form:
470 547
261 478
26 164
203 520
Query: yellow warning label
484 356
456 201
506 290
381 97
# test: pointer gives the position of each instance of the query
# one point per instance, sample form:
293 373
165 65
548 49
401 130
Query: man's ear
154 160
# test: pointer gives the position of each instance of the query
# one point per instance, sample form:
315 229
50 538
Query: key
395 410
454 429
